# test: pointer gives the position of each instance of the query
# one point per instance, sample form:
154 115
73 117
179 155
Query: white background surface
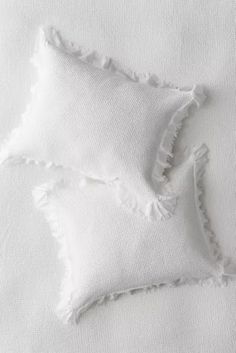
183 41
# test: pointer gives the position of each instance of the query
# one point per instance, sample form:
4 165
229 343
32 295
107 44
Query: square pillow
109 252
91 114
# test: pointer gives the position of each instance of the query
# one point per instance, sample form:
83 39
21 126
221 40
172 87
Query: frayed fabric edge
73 315
67 309
165 151
50 36
41 196
200 156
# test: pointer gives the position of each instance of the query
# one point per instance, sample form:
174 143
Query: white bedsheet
184 42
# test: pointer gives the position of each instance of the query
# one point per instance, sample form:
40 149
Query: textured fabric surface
184 42
90 114
109 252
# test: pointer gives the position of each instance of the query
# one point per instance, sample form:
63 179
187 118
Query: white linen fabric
91 114
109 252
185 42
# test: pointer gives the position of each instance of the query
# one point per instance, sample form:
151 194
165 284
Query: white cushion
109 252
91 114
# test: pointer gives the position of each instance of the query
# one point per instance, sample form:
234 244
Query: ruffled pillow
109 252
91 114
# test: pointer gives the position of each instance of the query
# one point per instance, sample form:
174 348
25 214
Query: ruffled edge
165 152
41 196
225 264
200 156
162 206
67 310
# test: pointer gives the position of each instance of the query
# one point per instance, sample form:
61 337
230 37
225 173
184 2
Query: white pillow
109 252
91 114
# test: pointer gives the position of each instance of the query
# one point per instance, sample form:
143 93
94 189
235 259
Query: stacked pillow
122 225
